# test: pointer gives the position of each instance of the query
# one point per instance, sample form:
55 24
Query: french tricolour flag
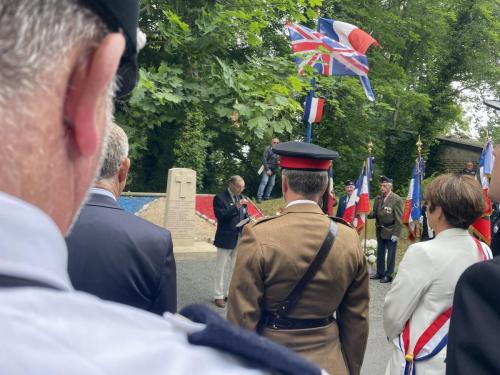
481 226
313 109
347 34
363 206
413 205
350 210
350 36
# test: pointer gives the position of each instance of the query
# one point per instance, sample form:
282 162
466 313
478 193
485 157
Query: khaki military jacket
388 216
273 254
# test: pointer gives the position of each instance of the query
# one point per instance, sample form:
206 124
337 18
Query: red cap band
303 163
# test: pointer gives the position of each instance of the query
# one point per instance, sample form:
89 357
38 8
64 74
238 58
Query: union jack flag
326 55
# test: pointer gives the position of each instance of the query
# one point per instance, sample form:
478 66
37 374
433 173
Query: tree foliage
218 81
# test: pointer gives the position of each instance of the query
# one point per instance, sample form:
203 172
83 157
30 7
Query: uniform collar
303 206
31 245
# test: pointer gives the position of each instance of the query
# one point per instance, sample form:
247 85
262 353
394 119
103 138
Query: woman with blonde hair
418 306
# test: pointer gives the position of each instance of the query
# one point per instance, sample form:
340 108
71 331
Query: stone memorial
180 206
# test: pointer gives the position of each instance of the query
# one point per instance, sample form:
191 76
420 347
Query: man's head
469 165
349 187
57 70
115 164
385 185
304 170
236 184
274 142
299 184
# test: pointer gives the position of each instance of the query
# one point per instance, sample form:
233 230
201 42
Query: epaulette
341 221
267 218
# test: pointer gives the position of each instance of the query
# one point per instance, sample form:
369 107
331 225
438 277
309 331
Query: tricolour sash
435 337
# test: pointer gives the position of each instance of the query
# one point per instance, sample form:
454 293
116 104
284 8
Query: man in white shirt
58 63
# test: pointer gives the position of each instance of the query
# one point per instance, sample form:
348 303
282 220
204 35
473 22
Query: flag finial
370 147
419 146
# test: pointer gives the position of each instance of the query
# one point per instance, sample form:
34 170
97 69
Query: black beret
349 182
385 179
121 15
305 156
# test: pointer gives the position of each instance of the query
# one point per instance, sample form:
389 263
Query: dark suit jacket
227 216
475 322
342 205
120 257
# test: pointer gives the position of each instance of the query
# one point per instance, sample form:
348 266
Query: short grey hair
116 152
307 183
36 38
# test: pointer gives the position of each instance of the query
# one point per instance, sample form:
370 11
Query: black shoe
376 276
386 279
259 200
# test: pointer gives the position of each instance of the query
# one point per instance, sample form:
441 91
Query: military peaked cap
304 156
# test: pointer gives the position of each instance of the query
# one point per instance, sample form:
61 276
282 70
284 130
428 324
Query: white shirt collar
100 191
31 245
301 201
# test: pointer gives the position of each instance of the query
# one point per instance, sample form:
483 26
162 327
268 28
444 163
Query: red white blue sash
435 337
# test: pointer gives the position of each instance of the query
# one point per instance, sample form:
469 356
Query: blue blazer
227 216
120 257
342 205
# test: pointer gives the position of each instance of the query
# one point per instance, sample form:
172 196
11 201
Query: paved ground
195 283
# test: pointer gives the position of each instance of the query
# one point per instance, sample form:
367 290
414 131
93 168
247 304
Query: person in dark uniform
387 212
275 253
349 188
475 321
469 169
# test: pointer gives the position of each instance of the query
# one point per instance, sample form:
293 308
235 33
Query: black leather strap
8 281
273 322
292 299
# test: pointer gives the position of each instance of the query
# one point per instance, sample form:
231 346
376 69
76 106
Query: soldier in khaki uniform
329 322
387 212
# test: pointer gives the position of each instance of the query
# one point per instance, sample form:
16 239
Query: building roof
462 142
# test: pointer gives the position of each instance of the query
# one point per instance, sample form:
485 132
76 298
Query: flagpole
420 176
368 176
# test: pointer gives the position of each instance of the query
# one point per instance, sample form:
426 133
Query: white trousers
221 283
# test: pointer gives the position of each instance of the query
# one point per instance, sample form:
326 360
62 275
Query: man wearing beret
61 62
295 284
349 188
387 212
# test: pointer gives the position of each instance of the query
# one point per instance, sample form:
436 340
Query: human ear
87 89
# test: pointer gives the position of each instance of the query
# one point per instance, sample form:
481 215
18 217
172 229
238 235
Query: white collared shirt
101 191
301 201
48 331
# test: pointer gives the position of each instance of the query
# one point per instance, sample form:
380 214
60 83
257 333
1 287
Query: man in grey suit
387 212
116 255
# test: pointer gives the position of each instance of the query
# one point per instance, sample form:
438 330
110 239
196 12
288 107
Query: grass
270 207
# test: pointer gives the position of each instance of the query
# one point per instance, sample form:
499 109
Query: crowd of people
86 288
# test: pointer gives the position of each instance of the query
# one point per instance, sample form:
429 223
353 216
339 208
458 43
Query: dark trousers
391 256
